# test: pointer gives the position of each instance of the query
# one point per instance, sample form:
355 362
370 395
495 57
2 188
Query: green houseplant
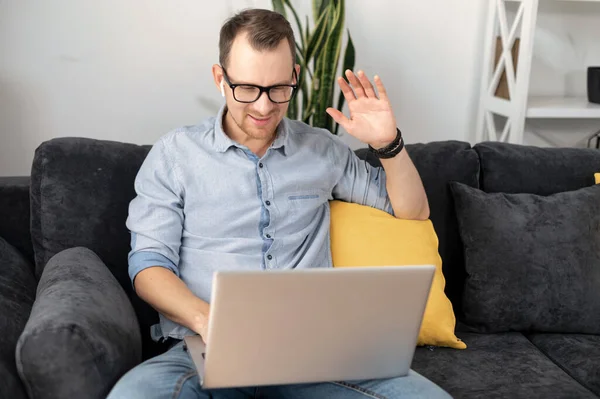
318 53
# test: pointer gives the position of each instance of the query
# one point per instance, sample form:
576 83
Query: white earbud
222 88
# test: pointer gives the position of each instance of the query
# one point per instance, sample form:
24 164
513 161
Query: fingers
356 85
380 88
366 84
361 86
346 89
338 117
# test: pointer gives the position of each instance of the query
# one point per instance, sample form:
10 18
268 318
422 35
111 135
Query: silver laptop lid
292 326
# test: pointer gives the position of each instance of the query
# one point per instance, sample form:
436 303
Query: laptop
312 325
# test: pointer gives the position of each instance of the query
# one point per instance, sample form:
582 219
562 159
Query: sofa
71 324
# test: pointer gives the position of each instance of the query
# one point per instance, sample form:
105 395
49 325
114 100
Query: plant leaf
307 117
301 88
289 4
279 7
327 68
297 113
306 30
349 58
317 8
300 51
305 100
317 39
302 85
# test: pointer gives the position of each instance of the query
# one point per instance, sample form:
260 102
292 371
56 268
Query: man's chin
260 132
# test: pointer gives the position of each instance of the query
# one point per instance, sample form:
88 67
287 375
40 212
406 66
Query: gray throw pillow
17 293
82 335
532 262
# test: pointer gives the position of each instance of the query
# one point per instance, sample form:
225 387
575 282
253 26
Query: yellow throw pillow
364 236
597 176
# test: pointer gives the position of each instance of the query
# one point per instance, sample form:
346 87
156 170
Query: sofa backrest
510 168
81 189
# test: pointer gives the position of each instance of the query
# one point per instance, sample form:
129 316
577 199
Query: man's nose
263 105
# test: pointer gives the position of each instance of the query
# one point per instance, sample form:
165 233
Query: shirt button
268 235
260 165
268 203
269 257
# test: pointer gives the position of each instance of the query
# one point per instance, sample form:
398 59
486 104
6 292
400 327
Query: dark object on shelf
593 85
595 136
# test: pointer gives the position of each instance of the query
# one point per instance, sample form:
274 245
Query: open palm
371 119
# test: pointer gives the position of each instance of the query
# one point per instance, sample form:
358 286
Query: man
249 189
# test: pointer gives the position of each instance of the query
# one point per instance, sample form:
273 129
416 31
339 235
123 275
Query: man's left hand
371 119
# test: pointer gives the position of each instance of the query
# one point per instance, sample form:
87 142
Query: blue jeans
172 375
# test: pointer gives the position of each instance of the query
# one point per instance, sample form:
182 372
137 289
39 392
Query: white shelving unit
520 107
562 108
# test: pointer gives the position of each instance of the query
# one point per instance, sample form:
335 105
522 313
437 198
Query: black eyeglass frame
261 89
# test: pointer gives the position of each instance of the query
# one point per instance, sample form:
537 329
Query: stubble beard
254 132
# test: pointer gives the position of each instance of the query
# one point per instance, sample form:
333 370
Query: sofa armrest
14 214
82 335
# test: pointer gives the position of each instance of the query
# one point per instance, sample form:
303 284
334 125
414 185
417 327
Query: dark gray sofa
78 195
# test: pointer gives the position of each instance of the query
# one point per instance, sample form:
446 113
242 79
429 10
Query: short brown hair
265 29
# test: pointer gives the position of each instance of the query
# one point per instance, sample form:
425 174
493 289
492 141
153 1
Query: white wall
131 70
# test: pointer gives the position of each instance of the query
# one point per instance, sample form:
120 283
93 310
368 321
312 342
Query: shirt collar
222 142
283 140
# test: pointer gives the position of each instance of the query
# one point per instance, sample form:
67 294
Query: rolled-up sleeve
358 181
155 217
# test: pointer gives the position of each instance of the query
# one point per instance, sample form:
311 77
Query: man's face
258 120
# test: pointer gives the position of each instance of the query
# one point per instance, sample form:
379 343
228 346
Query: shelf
497 65
562 107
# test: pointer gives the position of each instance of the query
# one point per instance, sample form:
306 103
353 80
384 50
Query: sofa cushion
505 365
14 214
365 236
511 168
533 262
577 354
81 189
439 163
82 335
80 194
17 293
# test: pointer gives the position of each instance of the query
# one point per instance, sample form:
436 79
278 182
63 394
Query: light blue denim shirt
206 203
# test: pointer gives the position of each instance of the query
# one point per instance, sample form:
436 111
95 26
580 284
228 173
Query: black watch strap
390 150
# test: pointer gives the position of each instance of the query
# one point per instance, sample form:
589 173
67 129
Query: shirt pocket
305 203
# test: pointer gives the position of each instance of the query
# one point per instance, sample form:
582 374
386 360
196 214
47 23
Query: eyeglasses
247 93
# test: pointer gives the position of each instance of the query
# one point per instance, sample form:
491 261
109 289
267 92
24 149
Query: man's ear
217 72
297 68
